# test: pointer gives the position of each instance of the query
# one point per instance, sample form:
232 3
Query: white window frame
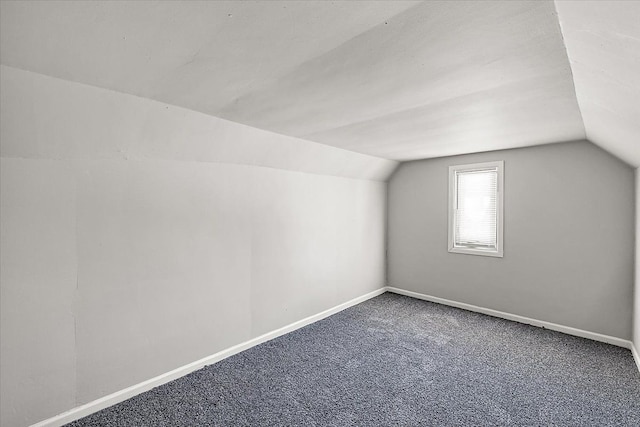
468 249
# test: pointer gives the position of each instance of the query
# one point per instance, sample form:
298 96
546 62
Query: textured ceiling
400 80
603 42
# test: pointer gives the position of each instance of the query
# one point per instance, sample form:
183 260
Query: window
475 209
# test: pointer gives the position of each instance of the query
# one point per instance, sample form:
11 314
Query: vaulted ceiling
603 43
399 80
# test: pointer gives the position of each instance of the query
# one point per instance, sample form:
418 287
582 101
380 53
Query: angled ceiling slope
399 80
603 43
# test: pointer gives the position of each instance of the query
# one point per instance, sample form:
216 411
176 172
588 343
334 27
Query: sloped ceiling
603 43
399 80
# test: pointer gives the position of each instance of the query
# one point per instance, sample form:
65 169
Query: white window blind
476 221
475 209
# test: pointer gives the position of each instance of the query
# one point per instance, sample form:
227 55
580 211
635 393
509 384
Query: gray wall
568 237
636 312
138 237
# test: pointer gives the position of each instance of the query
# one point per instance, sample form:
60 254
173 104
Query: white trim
636 355
453 190
521 319
122 395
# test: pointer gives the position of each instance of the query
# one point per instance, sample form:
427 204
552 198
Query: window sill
481 252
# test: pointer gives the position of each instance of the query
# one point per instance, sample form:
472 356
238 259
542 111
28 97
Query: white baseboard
122 395
516 318
636 355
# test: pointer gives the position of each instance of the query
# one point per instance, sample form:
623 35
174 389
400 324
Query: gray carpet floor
398 361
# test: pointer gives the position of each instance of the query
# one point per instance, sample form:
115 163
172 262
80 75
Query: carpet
399 361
